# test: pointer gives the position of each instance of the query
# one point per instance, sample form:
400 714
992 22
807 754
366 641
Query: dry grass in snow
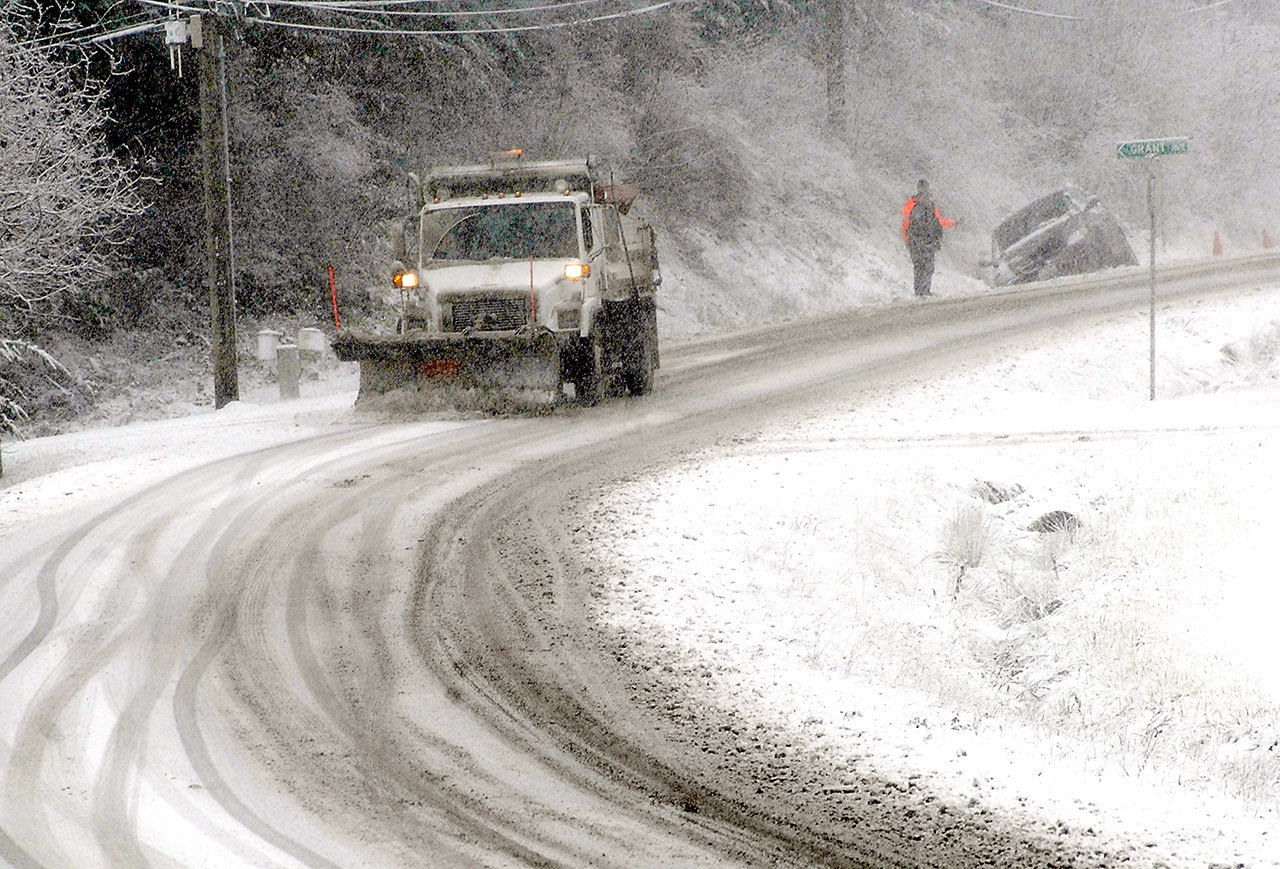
1047 589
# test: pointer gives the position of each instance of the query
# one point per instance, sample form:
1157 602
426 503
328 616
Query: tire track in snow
239 582
96 646
565 704
248 567
295 702
357 704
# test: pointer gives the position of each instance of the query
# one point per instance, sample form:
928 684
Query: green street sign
1152 147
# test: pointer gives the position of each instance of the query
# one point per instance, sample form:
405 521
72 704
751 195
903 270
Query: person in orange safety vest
922 225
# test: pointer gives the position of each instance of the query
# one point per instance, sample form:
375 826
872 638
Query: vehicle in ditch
1067 232
527 275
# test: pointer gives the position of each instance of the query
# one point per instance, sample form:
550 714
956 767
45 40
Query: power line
373 6
103 31
79 31
81 35
1036 12
100 32
1206 7
333 28
127 31
355 3
1022 10
181 7
106 36
363 10
645 10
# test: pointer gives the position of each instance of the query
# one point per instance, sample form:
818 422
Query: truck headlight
576 271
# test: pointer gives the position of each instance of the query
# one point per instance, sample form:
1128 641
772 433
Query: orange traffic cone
1266 239
1217 244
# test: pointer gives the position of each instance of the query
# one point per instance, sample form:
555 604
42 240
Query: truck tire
640 363
589 388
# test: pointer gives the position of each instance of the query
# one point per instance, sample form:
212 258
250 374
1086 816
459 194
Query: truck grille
497 314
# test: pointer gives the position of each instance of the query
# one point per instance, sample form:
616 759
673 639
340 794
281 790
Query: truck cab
504 264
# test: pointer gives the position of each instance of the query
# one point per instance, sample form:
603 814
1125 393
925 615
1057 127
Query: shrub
966 540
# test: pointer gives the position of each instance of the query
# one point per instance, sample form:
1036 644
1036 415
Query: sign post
1152 149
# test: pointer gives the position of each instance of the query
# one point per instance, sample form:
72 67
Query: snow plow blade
523 365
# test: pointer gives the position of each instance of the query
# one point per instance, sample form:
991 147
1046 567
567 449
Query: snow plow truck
527 277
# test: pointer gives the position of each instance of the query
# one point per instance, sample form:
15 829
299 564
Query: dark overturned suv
1065 233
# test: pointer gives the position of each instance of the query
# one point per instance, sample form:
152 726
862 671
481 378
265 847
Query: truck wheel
589 387
640 364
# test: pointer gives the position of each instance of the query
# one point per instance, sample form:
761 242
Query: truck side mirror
416 197
395 234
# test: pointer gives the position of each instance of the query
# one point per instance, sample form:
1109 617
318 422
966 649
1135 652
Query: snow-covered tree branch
64 198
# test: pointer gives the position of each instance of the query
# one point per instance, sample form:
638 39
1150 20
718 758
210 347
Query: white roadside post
1151 149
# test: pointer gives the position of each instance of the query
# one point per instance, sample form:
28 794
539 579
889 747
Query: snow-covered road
314 638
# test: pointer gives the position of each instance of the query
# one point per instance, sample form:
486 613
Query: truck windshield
509 230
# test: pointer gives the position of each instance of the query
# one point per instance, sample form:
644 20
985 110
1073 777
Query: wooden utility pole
207 39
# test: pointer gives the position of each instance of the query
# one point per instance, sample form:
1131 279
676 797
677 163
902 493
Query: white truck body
532 271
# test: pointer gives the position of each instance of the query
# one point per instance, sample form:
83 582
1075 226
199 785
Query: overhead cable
359 3
1022 10
81 34
480 31
334 28
177 7
362 10
348 5
126 31
1205 7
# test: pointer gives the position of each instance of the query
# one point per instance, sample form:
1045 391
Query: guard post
1151 150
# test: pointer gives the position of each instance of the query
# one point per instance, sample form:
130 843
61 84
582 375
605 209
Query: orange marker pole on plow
333 292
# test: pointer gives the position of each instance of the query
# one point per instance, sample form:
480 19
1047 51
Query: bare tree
64 201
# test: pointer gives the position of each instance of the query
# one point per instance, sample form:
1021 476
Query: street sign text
1152 147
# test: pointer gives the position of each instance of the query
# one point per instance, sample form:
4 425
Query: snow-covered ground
869 578
52 476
